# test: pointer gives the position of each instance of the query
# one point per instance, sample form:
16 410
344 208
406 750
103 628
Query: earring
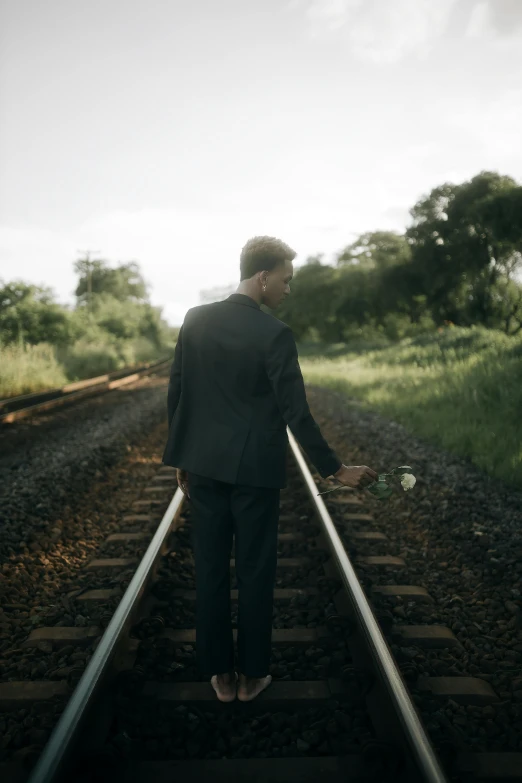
264 287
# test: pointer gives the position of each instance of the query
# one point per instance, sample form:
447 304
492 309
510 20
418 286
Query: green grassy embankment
31 368
461 389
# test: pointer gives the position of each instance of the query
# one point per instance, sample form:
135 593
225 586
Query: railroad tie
166 478
291 537
286 694
112 562
292 518
493 766
114 537
341 503
284 562
281 594
61 635
138 518
463 690
405 592
280 636
383 561
101 594
310 769
368 535
147 503
380 561
430 636
353 517
17 694
315 542
164 489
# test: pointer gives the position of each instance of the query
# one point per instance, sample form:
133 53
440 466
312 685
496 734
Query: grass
26 368
461 389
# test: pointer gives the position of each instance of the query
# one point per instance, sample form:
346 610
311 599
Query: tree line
109 302
111 325
456 263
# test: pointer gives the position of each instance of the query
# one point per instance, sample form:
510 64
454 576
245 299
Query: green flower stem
382 492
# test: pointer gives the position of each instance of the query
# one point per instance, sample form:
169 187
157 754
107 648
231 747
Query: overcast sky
170 132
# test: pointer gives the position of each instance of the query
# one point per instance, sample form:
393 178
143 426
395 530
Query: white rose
408 481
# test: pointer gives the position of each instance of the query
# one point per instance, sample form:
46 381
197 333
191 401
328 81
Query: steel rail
7 404
63 738
417 738
91 391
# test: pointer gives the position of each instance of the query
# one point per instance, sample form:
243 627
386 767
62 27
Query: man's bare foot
225 686
250 687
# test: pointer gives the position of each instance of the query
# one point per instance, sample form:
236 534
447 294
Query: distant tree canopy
456 262
465 240
376 250
29 313
124 282
112 304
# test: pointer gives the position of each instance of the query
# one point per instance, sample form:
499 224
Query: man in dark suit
235 385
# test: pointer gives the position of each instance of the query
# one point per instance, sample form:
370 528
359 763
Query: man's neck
248 290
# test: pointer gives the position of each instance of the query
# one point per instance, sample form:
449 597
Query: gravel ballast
47 460
66 481
171 731
460 533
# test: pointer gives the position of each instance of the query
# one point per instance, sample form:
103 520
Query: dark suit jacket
235 384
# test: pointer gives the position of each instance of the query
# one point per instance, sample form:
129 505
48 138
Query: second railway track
338 704
20 407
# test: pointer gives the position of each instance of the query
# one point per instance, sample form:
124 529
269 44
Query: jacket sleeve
285 375
174 392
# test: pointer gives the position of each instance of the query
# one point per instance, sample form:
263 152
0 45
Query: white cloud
479 23
299 144
331 14
380 31
498 19
495 125
180 252
40 256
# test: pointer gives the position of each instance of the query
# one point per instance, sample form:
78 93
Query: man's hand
182 477
356 476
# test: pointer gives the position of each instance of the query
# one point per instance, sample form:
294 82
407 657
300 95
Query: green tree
464 239
129 319
124 282
386 282
29 313
310 306
376 250
436 273
353 298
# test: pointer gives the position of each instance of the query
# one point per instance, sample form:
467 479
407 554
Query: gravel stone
460 533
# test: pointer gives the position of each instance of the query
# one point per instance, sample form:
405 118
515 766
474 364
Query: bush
87 359
113 327
459 387
28 368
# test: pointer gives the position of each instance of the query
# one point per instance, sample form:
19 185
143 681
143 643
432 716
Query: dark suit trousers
251 514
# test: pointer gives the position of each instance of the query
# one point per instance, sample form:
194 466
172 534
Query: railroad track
338 705
14 408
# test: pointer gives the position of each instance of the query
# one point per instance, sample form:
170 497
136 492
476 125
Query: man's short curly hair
261 253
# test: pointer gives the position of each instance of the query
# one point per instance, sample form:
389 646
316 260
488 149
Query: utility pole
89 275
